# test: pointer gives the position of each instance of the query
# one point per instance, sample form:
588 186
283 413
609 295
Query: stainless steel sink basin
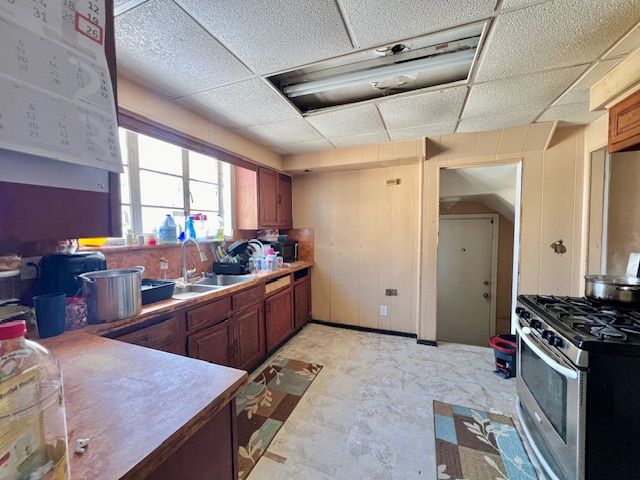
192 290
224 280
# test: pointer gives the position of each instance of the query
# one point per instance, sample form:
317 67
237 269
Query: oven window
548 387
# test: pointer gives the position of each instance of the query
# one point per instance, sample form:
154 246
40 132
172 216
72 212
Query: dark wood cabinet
624 124
284 206
278 318
263 199
213 344
163 333
249 342
268 182
209 454
302 303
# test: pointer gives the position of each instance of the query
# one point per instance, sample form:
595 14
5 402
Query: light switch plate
384 310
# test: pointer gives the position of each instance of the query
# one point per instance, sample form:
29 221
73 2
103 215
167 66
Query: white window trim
135 195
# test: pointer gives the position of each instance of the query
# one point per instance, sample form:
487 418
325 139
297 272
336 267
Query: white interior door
466 275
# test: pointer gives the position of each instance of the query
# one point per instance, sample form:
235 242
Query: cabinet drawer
208 314
275 285
156 336
247 298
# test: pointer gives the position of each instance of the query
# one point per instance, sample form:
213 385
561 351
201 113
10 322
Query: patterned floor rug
477 445
265 403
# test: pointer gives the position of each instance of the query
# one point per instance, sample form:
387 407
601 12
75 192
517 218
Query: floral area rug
476 445
265 403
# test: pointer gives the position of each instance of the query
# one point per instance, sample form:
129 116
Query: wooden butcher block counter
147 413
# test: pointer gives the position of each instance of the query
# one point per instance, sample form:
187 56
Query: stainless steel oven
551 398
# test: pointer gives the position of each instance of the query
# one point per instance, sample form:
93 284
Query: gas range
578 373
588 325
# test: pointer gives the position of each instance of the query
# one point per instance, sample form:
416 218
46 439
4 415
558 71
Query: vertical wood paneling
321 273
531 205
370 238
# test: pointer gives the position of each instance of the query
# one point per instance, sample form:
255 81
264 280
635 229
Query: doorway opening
477 252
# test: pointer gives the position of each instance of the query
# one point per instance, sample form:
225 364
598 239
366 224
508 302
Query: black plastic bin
504 348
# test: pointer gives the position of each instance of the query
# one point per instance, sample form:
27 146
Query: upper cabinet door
624 124
285 219
267 198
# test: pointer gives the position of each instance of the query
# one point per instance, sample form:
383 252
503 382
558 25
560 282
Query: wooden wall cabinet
263 199
624 125
278 318
302 303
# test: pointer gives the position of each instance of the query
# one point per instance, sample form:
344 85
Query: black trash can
504 347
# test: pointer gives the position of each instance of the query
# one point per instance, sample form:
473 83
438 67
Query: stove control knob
556 342
535 324
522 313
548 335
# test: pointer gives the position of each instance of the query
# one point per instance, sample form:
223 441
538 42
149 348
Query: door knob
485 295
486 282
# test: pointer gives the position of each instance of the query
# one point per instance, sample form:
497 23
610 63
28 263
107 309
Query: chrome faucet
203 257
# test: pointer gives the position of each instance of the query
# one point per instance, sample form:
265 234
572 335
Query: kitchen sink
224 280
192 290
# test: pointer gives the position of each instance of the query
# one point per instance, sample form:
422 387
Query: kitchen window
160 178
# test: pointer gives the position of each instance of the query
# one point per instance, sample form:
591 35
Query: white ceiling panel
305 147
555 34
495 122
366 139
272 35
630 42
242 104
375 22
521 93
423 131
575 113
358 120
433 107
295 130
158 40
579 92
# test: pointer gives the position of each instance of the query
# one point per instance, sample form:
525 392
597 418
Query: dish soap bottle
33 425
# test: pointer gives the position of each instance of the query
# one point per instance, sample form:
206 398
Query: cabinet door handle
279 199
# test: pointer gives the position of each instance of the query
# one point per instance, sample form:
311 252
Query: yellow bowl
92 242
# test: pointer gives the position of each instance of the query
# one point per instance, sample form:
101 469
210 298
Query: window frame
135 192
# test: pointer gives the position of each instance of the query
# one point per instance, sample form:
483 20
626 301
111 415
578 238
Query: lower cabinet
278 318
302 304
209 454
213 344
163 333
249 343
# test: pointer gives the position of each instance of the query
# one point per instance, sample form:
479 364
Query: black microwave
288 250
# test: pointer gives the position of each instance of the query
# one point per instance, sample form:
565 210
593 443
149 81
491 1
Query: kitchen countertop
139 405
136 405
167 306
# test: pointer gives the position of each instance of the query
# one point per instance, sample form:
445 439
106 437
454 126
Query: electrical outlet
384 310
28 272
391 292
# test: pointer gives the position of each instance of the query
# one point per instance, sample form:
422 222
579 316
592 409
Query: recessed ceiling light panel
431 60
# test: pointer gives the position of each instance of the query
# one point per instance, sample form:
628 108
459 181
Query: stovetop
589 324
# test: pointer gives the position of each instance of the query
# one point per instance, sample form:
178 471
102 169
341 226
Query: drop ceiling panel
366 139
272 35
628 43
426 109
575 113
512 4
358 120
295 130
242 104
423 131
158 40
495 122
520 93
579 92
555 34
376 22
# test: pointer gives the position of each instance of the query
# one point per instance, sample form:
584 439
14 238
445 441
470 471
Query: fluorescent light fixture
350 79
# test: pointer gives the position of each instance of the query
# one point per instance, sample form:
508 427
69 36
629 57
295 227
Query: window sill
135 248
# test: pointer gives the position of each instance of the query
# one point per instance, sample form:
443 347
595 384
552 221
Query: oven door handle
561 369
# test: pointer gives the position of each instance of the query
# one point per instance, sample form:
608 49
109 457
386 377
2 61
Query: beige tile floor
368 415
